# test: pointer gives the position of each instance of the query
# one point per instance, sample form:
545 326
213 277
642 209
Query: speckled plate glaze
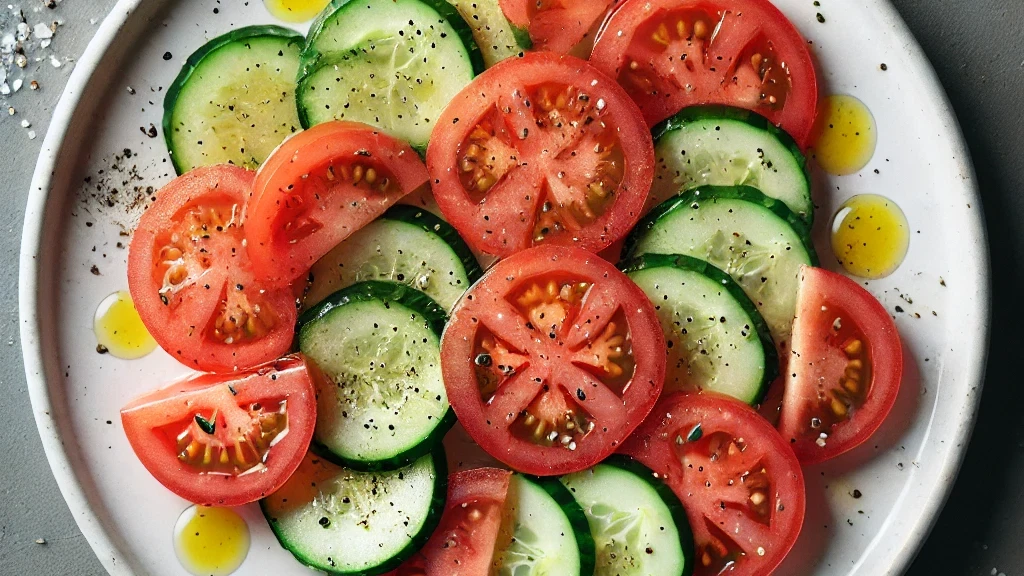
98 159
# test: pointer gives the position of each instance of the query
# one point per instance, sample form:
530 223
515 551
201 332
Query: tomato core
552 307
541 150
581 164
230 440
552 359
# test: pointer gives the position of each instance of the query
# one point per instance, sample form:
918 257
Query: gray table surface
977 48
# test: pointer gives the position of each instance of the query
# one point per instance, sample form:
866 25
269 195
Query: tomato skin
180 320
505 220
557 28
675 430
825 296
318 181
464 542
145 419
555 362
708 83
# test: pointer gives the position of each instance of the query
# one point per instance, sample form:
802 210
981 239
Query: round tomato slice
845 368
740 484
670 54
555 25
318 188
542 149
552 359
225 440
470 529
191 279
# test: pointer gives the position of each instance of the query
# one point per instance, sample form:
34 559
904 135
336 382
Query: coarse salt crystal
17 84
31 134
25 123
23 31
45 43
5 89
42 31
55 62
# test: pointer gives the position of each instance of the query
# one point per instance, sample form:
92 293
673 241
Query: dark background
977 47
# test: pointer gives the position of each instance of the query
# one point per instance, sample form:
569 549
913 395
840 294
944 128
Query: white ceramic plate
904 473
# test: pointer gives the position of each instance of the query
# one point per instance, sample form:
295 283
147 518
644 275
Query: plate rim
74 493
89 523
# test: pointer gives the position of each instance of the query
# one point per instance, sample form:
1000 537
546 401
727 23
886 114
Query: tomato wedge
555 25
552 359
740 484
318 188
542 149
670 54
465 541
845 369
192 281
225 440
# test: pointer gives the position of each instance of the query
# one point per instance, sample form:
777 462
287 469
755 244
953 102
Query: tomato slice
470 529
318 188
740 484
555 25
670 54
552 359
542 149
845 369
225 440
191 279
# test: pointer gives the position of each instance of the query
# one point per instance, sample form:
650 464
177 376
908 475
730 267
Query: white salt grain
42 31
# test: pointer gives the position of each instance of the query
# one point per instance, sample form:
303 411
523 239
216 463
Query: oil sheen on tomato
870 236
845 135
119 330
295 10
211 541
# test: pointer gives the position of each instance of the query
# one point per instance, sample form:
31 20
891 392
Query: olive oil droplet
295 10
211 541
119 330
845 135
870 236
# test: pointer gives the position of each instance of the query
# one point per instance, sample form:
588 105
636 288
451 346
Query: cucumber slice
717 340
551 536
381 403
754 239
638 524
233 101
407 245
343 521
494 34
726 146
394 64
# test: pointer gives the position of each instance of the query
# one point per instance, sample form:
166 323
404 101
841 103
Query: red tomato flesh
471 527
552 359
670 54
740 484
192 282
555 25
318 188
225 440
845 368
542 149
